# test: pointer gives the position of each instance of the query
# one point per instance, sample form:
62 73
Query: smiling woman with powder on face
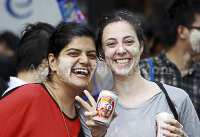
121 41
48 109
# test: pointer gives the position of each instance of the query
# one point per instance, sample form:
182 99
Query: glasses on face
193 27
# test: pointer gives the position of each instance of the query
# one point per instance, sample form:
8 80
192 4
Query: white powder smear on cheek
114 67
130 69
133 67
64 69
107 58
109 62
195 40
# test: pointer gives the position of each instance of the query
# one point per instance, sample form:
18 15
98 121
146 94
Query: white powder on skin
123 31
115 67
130 69
121 50
92 71
109 62
64 69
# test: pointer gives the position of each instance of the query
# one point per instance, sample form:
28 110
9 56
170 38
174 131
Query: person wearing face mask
47 109
176 66
120 42
31 61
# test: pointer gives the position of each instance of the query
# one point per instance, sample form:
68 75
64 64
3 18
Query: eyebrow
74 49
91 51
111 39
81 50
128 37
123 38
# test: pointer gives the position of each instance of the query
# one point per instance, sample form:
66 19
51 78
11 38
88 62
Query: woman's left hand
175 128
97 130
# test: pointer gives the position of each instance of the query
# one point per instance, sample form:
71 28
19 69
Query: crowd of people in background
176 65
8 47
31 55
54 64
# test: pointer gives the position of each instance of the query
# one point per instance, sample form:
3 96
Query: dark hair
119 15
33 45
11 39
63 35
179 12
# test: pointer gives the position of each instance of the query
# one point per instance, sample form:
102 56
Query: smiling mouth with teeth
81 71
122 61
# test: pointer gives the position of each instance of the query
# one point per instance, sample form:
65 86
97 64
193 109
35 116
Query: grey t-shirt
83 119
139 121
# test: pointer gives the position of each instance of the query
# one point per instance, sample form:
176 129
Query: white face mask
195 40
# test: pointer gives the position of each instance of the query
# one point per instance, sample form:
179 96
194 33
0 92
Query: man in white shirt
31 58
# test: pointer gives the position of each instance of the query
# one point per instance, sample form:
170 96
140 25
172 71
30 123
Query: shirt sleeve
189 119
83 120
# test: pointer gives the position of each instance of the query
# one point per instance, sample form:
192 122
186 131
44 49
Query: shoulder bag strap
151 70
169 101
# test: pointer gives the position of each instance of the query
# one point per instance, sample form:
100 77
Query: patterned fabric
164 70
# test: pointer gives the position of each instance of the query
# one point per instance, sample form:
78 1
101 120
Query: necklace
65 123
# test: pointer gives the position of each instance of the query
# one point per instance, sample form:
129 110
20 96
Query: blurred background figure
8 45
14 15
3 86
155 41
31 57
70 11
176 65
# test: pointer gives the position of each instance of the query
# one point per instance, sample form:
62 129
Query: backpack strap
169 101
151 70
